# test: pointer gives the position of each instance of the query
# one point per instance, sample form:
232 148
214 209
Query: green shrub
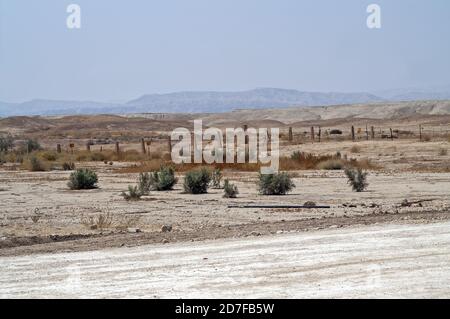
133 193
275 184
36 165
357 179
163 180
83 179
68 166
144 183
230 190
216 178
197 181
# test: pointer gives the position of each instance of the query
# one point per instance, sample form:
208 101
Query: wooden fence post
372 129
353 133
117 148
312 134
58 148
291 135
144 151
320 134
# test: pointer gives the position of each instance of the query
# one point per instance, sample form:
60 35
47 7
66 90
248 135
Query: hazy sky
128 48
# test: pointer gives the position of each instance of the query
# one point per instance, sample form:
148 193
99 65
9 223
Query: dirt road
368 261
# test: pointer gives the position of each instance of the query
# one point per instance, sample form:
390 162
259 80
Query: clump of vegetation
443 152
164 179
355 149
68 166
331 164
92 156
36 165
230 190
275 184
216 178
197 181
101 221
133 193
49 156
6 143
144 183
83 179
357 179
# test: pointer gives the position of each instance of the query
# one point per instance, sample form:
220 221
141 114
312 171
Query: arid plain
405 155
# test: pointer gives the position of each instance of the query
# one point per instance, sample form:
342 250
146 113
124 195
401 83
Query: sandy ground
38 207
383 261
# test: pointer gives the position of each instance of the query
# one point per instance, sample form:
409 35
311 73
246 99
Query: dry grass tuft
355 149
443 152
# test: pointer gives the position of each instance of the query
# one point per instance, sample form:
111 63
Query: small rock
310 204
133 230
254 233
165 241
279 232
166 228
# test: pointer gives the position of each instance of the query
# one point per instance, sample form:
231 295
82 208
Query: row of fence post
369 134
145 145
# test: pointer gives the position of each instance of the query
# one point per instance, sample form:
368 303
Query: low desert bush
68 166
332 164
230 190
144 183
101 221
357 179
49 156
355 149
216 178
83 179
133 193
443 152
275 184
36 165
164 179
197 181
98 157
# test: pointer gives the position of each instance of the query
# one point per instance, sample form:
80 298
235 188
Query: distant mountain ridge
215 102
